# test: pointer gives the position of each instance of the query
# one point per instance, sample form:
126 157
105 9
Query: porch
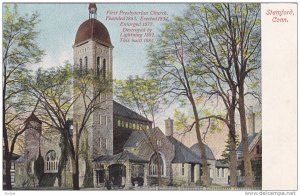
122 170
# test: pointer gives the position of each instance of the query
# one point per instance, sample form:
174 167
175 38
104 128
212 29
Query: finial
92 10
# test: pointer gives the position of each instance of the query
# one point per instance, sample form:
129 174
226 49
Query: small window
80 65
103 98
103 120
86 63
119 123
106 143
158 142
98 66
182 169
12 178
12 166
126 124
104 68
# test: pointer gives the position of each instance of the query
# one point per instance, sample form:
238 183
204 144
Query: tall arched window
98 66
86 64
153 167
80 65
104 68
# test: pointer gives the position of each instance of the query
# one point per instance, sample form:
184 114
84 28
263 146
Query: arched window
119 123
80 65
257 149
103 71
98 66
86 64
153 167
51 162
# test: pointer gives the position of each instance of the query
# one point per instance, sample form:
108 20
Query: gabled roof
252 139
134 139
123 111
209 154
182 153
121 157
34 118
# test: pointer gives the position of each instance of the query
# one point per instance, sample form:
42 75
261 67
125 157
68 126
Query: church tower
92 50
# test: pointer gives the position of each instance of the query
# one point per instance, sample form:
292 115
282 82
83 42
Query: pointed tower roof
33 118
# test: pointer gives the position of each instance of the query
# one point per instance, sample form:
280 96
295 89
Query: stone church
123 147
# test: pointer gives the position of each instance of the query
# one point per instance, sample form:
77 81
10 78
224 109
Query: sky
59 24
58 27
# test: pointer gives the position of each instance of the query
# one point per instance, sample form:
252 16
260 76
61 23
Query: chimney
169 127
251 121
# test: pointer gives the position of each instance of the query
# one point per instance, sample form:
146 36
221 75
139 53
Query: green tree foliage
212 53
142 94
58 90
20 49
172 64
226 153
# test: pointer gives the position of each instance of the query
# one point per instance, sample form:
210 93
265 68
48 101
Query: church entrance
117 174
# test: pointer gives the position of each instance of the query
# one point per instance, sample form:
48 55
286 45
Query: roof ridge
140 117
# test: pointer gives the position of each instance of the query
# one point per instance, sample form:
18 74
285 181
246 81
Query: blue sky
59 24
58 27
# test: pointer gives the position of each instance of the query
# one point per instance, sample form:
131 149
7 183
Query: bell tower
92 50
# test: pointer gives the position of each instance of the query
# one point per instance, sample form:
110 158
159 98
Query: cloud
53 60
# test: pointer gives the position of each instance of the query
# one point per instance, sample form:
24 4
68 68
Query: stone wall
165 148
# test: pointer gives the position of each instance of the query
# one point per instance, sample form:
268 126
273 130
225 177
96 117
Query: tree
143 94
19 49
226 153
171 64
58 89
227 40
39 167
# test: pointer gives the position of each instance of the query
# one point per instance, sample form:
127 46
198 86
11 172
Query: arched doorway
157 163
116 173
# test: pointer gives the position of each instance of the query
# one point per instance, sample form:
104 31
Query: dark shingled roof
21 159
93 29
123 111
219 163
34 118
14 156
134 139
250 140
121 157
209 154
182 153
